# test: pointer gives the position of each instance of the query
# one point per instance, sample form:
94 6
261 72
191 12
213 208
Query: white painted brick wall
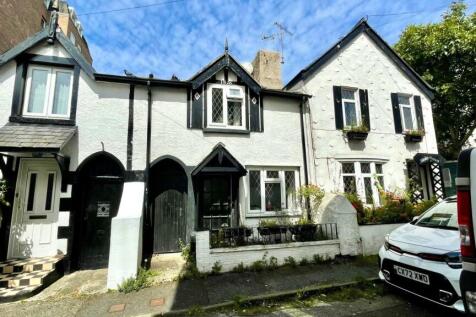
373 236
230 258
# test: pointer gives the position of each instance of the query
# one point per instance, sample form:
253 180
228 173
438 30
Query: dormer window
225 107
48 92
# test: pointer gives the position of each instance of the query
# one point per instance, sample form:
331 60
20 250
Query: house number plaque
103 209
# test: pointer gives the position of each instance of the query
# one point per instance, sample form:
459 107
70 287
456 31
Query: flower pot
357 135
304 232
413 138
264 231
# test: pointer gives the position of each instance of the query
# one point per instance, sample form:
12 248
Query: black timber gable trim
226 62
23 61
363 27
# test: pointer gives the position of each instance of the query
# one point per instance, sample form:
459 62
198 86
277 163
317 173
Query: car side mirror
415 219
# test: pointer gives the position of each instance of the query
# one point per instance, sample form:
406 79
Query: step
29 265
22 279
17 293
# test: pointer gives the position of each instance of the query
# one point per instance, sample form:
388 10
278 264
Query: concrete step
23 279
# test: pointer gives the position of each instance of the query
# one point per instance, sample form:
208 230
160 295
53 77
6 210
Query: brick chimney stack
267 69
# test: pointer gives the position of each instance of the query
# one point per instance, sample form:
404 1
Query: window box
356 135
414 136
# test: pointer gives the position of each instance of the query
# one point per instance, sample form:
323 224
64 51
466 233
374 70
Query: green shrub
240 268
304 261
258 266
268 223
216 268
142 280
273 263
318 259
290 261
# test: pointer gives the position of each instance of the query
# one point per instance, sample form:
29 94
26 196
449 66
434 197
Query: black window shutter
197 109
338 107
419 112
364 107
396 113
254 112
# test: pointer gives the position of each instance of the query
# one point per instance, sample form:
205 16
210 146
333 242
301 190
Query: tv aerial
280 34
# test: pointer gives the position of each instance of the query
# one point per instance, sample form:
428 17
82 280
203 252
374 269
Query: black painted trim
364 107
47 60
283 93
261 111
20 119
220 150
189 106
74 96
134 176
141 81
396 113
204 107
65 233
303 141
130 128
419 112
361 27
29 149
19 88
339 116
65 204
247 109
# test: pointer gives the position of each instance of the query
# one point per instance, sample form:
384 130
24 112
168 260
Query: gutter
142 81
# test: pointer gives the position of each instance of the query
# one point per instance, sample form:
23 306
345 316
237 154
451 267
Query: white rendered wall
230 258
7 84
361 64
125 251
373 236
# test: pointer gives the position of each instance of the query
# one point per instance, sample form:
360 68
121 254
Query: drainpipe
147 214
304 154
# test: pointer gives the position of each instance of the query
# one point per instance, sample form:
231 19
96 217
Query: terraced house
105 170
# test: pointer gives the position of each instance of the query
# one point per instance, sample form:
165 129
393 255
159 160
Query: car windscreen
443 215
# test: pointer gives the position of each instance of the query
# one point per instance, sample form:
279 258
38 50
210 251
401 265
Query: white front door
34 228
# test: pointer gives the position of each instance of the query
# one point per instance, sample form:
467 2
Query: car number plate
412 275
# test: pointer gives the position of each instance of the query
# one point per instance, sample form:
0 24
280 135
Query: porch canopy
49 139
219 161
46 138
427 158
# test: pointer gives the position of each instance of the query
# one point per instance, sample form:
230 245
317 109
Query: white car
423 256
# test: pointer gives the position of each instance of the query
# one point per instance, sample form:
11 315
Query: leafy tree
444 53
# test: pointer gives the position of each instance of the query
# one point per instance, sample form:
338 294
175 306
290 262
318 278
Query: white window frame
356 101
226 96
359 179
49 94
412 109
292 208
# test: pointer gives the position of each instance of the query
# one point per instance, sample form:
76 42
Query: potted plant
357 132
412 136
271 226
304 230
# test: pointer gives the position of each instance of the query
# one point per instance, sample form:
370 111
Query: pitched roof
41 36
219 160
362 27
224 60
17 137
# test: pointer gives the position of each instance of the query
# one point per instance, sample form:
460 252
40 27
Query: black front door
218 202
101 198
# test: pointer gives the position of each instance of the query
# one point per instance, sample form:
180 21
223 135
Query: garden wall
230 258
373 236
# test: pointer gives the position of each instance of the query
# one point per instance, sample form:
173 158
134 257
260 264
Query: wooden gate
169 221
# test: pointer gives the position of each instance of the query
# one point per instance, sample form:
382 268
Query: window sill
57 121
225 130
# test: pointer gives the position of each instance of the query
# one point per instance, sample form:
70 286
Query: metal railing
242 236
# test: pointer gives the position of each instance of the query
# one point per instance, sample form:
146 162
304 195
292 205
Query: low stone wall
373 236
230 258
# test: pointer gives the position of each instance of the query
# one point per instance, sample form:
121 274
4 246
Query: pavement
182 295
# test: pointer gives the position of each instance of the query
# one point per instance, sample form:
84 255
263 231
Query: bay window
364 179
48 92
272 190
225 107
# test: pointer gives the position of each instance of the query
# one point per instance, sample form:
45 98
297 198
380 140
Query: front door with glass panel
34 227
218 201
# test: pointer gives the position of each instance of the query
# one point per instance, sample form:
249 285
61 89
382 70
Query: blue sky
181 36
